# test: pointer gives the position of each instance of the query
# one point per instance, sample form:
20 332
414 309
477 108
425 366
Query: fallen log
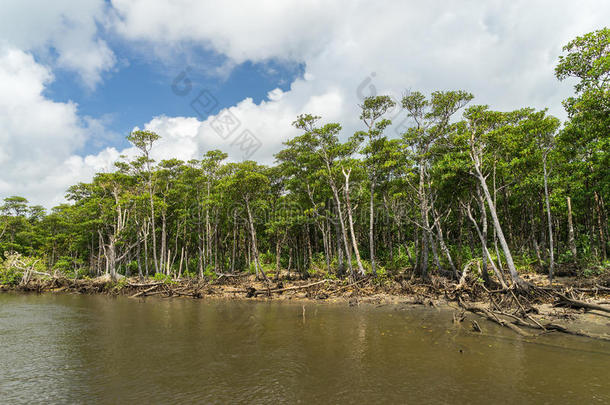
559 328
220 275
144 292
581 304
145 284
492 317
297 287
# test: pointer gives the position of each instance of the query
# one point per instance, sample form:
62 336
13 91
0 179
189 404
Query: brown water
94 349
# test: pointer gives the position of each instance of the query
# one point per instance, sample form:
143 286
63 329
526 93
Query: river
98 349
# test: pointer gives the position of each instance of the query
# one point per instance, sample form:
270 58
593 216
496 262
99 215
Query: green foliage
12 268
71 267
167 279
209 272
595 271
400 259
267 258
120 284
9 275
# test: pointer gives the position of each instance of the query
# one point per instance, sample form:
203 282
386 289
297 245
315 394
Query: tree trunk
483 237
534 237
548 217
571 239
278 250
234 244
340 264
346 174
348 251
602 238
496 222
371 228
486 251
444 248
152 222
423 206
254 247
163 237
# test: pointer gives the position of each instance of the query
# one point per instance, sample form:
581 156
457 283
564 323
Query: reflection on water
69 348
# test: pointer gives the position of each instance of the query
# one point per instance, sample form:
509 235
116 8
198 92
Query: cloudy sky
77 76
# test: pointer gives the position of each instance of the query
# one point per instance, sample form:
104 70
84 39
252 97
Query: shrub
163 278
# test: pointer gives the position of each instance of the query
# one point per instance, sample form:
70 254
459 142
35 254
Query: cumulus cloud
38 136
63 33
241 30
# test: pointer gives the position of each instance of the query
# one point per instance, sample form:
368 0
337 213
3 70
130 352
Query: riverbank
572 306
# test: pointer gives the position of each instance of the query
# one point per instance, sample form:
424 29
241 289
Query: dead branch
144 292
581 304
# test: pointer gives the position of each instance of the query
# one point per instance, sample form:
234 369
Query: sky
77 77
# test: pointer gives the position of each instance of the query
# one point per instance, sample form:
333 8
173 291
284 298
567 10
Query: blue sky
76 77
141 88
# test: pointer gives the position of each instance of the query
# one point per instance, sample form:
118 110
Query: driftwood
298 287
581 304
492 317
145 284
595 289
516 321
221 275
144 292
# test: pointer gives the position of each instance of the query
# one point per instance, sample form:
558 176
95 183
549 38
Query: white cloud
62 33
38 136
242 30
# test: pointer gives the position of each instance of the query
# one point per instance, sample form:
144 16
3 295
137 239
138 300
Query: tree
482 126
431 118
144 141
249 184
373 109
325 142
584 140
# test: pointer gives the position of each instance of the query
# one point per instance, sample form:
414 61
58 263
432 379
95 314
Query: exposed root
581 304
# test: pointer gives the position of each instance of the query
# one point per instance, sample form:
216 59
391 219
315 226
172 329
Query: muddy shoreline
569 306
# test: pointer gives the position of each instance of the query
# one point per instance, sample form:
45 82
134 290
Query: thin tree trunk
435 253
494 215
485 250
483 236
371 228
423 206
180 266
534 237
346 174
340 264
254 247
152 222
234 244
164 238
602 238
278 250
348 251
146 252
441 241
571 239
138 258
548 217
